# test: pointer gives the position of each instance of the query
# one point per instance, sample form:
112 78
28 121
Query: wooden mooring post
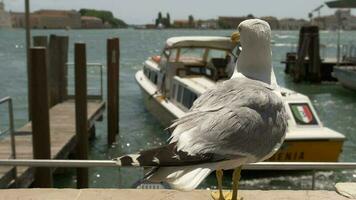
307 69
58 57
113 65
41 142
81 111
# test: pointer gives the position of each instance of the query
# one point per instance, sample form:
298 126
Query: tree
105 16
191 21
250 16
168 19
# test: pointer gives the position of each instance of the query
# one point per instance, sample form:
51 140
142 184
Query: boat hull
347 78
308 151
293 150
153 105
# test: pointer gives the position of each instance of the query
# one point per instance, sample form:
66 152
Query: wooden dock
327 67
124 194
63 140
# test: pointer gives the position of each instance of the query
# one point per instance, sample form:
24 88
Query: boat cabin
209 59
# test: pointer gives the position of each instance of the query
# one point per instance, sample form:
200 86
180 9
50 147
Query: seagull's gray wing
239 118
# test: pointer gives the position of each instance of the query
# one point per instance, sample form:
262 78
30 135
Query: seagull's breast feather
240 117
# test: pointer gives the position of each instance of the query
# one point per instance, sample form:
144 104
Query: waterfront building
291 23
17 19
208 24
89 22
272 21
181 23
49 19
53 19
230 22
5 18
341 17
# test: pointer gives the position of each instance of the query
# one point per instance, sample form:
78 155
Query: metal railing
101 90
11 131
283 166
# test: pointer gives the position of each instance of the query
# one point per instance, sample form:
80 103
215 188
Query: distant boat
189 66
346 75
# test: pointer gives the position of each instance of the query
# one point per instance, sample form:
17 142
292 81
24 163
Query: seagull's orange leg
219 195
235 184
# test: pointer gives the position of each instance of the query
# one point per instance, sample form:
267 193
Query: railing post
113 64
12 134
40 115
81 113
28 55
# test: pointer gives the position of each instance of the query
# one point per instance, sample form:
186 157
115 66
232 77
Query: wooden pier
59 123
306 64
63 140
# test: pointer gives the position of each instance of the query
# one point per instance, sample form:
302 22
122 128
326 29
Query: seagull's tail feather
185 178
164 156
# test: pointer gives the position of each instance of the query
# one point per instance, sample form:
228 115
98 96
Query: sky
145 11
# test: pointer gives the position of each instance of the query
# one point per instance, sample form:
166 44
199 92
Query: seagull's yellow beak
235 37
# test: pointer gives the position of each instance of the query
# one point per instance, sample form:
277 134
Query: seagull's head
255 60
254 32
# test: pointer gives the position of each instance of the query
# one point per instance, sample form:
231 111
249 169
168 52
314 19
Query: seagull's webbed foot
221 195
235 183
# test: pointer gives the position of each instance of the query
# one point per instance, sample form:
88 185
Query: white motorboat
189 66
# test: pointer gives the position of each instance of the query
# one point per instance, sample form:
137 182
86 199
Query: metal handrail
11 129
310 166
101 67
112 163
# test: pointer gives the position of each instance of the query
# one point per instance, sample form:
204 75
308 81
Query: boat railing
10 130
91 70
269 166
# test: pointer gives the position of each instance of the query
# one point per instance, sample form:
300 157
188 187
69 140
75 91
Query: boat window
173 94
173 55
188 98
153 77
192 54
180 93
303 114
164 58
146 72
208 72
216 53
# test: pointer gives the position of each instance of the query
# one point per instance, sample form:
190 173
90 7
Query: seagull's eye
239 28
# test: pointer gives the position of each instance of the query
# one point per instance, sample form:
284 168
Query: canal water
335 105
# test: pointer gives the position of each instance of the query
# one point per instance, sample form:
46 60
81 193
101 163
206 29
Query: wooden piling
113 64
41 142
81 113
58 57
308 69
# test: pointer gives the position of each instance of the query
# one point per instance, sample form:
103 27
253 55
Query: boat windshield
199 54
192 55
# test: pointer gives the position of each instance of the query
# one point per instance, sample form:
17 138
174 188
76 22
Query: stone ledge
131 194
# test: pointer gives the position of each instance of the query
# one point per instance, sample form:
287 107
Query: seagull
242 120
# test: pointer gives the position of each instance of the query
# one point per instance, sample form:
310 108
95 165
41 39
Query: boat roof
201 41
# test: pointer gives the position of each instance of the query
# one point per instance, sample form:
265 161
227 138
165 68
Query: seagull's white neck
255 61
